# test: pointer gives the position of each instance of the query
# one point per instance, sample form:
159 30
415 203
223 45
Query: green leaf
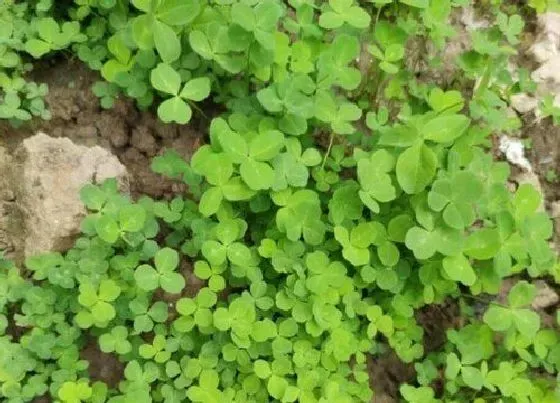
132 218
458 268
498 318
266 146
527 322
257 175
262 369
37 48
200 44
146 277
164 78
210 201
172 282
421 242
234 145
521 294
472 377
103 312
196 89
107 229
166 260
93 197
175 110
178 12
416 167
416 3
446 128
277 386
166 41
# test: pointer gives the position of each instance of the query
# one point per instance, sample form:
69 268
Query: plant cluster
337 196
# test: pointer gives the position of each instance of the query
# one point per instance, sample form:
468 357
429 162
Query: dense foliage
338 195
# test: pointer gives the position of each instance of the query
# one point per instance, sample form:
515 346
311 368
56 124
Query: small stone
555 209
523 103
545 297
143 141
547 44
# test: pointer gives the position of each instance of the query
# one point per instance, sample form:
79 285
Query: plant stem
331 140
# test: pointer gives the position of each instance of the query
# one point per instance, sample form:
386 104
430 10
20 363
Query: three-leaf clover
155 26
355 243
392 54
260 20
97 301
115 340
166 79
163 275
376 183
159 350
195 311
344 11
524 320
338 113
131 217
145 315
75 392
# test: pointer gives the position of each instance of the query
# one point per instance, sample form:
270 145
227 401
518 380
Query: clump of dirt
102 366
134 136
386 374
435 320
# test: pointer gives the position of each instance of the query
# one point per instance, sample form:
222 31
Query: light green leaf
416 168
107 229
132 217
196 89
175 110
167 42
266 146
521 294
257 175
172 282
446 128
210 201
164 78
166 260
458 268
146 277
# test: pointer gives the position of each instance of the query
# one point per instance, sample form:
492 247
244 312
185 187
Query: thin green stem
484 81
331 140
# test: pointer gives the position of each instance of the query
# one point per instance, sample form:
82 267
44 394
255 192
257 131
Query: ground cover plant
337 196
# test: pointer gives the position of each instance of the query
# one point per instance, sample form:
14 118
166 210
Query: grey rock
46 178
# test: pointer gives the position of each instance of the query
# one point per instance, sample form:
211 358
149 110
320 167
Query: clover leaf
163 275
344 11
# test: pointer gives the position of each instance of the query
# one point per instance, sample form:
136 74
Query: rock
546 51
47 176
6 197
545 297
547 43
548 71
470 21
523 103
514 152
555 209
